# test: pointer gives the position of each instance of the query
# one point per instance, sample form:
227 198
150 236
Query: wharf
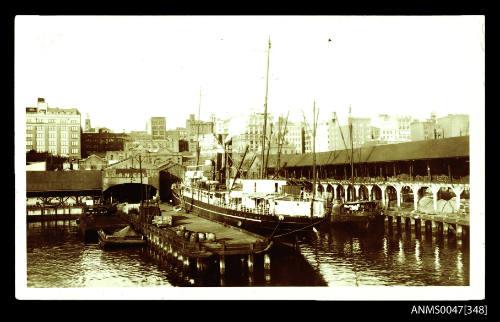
438 217
441 224
229 240
167 242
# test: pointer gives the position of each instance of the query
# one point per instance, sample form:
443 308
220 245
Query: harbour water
58 258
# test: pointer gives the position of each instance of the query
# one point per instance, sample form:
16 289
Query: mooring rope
265 249
272 234
305 227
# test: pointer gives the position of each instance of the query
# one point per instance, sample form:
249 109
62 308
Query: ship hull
260 224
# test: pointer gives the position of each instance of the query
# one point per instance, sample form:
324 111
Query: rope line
305 227
272 234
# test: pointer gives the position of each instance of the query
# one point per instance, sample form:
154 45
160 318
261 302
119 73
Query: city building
198 127
393 128
295 136
53 130
102 141
248 129
454 125
220 126
152 145
92 162
157 127
88 127
426 130
340 135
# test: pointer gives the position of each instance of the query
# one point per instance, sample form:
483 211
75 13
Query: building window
52 121
64 150
52 150
52 142
40 135
29 127
29 135
74 121
74 135
74 128
74 143
74 151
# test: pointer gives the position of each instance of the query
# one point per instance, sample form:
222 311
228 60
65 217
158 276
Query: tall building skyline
54 130
156 126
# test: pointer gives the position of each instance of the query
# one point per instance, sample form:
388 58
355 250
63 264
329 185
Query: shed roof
40 181
419 150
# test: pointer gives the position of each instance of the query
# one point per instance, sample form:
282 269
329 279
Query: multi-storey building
393 128
295 136
248 129
454 125
220 126
101 142
425 130
322 139
53 130
195 127
340 135
151 144
157 127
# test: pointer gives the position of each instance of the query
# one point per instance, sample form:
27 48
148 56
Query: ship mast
281 138
352 153
263 170
198 136
315 123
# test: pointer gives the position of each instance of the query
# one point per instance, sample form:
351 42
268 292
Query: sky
121 70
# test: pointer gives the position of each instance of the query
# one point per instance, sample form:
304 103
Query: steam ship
262 206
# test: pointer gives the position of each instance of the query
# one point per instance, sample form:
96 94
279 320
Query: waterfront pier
198 245
438 226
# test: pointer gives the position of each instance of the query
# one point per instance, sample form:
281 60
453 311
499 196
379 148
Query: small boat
361 212
123 237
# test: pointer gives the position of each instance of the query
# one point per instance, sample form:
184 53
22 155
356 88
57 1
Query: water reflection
350 258
56 257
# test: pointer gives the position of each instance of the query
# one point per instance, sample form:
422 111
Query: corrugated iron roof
39 181
418 150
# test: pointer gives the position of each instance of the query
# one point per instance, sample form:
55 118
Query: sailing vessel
358 212
263 206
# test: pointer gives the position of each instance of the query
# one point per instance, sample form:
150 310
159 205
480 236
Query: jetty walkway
171 243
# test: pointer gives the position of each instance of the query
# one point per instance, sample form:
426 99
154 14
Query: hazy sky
122 70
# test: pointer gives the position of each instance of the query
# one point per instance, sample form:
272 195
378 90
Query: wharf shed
39 183
442 156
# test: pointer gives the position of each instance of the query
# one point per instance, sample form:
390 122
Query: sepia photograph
201 157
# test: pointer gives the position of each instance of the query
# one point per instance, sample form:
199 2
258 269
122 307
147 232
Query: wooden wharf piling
42 213
439 225
230 245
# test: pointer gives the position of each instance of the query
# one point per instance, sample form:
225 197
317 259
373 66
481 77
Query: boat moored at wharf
121 238
261 206
359 213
